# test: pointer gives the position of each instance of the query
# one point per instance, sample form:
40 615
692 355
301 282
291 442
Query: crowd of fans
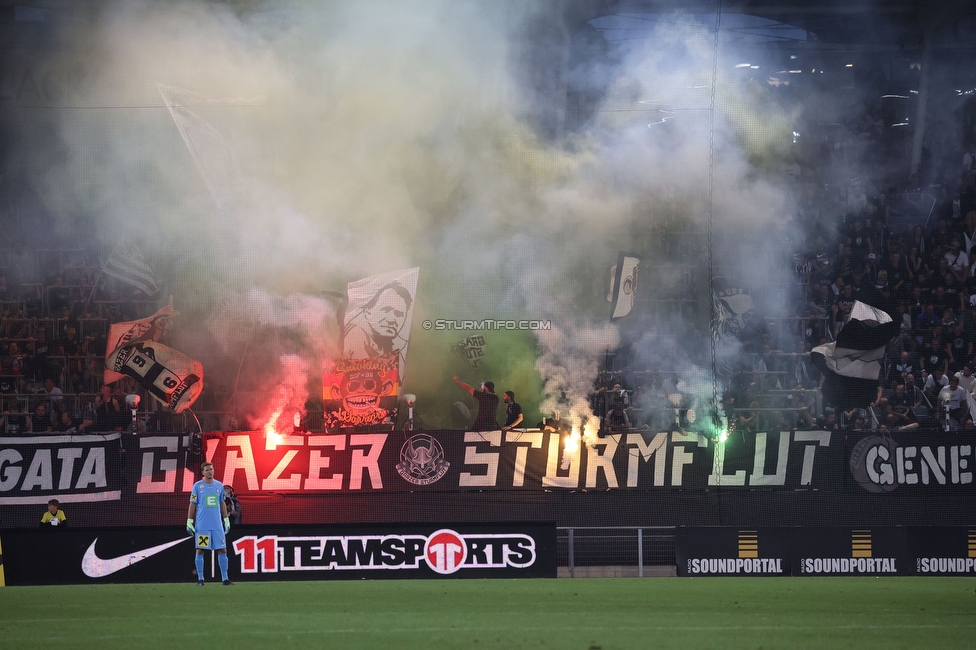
54 323
56 308
924 275
922 271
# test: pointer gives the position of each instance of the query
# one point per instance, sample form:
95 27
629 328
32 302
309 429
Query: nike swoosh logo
96 567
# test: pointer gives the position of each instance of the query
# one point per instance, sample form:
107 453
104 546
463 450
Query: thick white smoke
267 154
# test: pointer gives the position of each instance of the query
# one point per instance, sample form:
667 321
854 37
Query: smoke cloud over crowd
264 153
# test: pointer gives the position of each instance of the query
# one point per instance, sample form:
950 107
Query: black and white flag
852 364
127 263
623 285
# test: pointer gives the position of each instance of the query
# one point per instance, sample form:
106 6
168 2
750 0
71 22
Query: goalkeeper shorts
210 540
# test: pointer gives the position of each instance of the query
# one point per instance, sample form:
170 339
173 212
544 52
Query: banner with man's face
377 318
364 386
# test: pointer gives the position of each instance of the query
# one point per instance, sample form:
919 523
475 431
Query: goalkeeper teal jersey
208 497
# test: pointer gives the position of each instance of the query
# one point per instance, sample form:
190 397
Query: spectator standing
108 411
822 306
958 400
941 238
957 260
58 297
860 242
926 322
94 372
913 392
897 271
935 383
513 412
905 365
71 345
966 378
919 241
14 360
917 268
40 350
837 288
76 376
900 412
487 418
14 421
959 348
844 306
52 396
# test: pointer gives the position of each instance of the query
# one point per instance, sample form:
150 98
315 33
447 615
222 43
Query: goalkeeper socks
222 562
199 563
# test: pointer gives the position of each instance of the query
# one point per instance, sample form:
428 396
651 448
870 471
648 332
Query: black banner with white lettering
943 551
514 460
725 551
533 460
940 462
837 551
65 556
72 468
639 478
826 551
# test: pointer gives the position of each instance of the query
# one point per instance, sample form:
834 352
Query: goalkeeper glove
226 524
189 527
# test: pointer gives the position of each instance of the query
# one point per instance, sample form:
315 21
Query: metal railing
615 546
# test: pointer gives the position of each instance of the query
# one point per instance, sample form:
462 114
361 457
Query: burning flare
289 396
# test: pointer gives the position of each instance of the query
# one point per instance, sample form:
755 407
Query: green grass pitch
583 613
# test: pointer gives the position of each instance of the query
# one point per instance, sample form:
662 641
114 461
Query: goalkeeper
208 522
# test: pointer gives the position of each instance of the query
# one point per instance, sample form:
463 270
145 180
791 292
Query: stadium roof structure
829 23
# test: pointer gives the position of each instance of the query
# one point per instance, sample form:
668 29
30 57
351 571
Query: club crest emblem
422 460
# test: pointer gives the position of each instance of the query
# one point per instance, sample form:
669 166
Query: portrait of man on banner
363 387
378 316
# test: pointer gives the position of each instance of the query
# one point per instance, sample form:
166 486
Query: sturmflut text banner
325 478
